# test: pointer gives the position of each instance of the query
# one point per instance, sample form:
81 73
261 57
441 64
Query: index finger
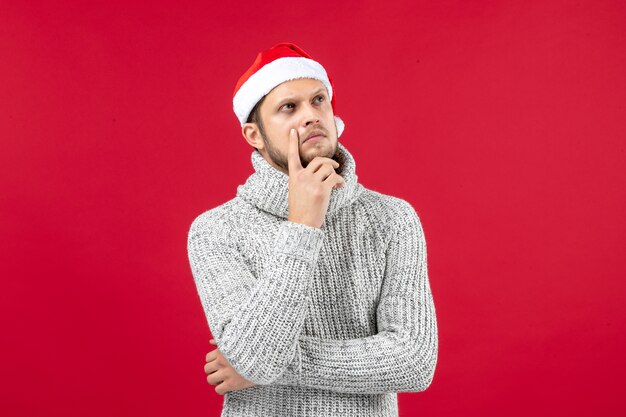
294 151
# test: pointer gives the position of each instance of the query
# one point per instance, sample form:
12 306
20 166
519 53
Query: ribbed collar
268 188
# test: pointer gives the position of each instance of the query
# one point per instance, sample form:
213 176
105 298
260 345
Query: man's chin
319 146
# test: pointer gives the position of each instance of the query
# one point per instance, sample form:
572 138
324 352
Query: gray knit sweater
329 321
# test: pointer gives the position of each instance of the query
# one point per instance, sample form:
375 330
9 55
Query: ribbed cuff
300 240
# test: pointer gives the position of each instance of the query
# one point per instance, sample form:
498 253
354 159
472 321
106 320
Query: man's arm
403 355
256 321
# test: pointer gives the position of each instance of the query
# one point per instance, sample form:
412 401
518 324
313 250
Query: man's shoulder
394 215
388 208
218 221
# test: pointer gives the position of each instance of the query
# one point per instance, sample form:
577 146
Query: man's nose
313 120
310 115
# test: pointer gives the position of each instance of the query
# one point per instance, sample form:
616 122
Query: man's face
302 104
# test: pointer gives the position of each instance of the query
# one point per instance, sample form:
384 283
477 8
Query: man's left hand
222 374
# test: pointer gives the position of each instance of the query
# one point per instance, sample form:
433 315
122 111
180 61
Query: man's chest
345 283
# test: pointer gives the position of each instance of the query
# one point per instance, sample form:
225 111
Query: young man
315 288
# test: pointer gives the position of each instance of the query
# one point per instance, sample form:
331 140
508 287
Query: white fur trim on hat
340 125
272 74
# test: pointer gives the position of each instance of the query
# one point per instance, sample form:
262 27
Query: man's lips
314 136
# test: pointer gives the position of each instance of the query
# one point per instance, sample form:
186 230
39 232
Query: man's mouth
315 135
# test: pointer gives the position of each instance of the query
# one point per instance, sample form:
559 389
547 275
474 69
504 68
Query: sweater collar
268 188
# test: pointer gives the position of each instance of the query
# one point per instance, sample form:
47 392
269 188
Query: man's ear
252 135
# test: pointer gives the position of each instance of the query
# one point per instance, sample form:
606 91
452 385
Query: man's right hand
310 187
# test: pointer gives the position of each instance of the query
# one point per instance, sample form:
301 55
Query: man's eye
288 104
322 97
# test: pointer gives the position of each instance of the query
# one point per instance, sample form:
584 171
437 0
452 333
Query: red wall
503 123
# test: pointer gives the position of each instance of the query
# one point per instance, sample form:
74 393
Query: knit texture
329 321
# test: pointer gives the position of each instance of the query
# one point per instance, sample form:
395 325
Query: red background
503 123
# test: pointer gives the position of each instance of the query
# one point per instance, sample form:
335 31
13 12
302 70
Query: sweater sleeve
402 356
256 320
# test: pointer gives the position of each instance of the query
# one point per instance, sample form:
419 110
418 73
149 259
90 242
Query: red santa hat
280 63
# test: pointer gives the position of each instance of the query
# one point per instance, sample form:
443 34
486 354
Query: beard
281 160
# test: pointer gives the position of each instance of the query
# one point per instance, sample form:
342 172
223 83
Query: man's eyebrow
316 92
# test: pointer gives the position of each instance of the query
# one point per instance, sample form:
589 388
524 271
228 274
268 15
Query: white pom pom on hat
282 62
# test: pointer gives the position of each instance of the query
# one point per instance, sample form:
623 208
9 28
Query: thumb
293 157
213 342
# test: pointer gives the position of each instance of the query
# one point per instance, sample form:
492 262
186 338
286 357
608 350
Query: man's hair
255 117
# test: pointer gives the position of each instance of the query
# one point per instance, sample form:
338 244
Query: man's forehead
295 88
